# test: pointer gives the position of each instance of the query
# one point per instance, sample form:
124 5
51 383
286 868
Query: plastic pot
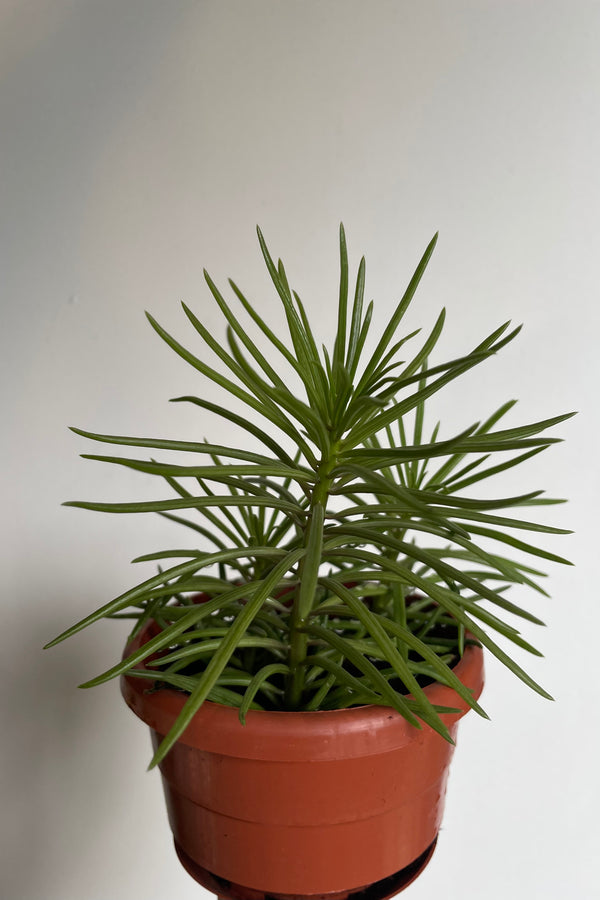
302 803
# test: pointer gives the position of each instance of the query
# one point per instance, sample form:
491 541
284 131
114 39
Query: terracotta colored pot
303 803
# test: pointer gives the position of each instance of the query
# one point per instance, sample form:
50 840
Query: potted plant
304 664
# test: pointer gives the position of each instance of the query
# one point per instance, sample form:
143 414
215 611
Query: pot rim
291 735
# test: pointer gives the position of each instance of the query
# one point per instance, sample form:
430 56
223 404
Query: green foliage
345 564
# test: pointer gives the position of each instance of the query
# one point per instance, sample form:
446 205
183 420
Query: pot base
379 890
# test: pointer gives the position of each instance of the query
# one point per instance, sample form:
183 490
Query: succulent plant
344 564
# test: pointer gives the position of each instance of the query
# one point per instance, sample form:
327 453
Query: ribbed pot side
303 802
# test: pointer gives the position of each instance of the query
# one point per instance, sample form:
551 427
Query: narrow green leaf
340 676
184 446
146 587
205 532
257 684
230 386
517 544
448 601
318 373
272 337
243 422
484 442
339 349
390 456
364 430
447 571
242 334
473 503
297 334
474 516
443 673
353 354
212 473
185 503
390 653
459 484
377 484
397 316
416 363
442 474
362 336
374 678
166 637
198 649
218 662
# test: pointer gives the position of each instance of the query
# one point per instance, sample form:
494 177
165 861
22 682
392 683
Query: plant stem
399 601
308 571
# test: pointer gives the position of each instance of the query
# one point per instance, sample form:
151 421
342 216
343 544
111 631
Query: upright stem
399 592
399 601
308 571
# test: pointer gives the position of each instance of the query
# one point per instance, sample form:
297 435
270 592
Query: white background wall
143 140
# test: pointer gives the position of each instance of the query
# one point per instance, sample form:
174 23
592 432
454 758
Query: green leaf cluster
344 564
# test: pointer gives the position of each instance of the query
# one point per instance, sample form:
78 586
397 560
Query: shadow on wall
51 747
72 73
